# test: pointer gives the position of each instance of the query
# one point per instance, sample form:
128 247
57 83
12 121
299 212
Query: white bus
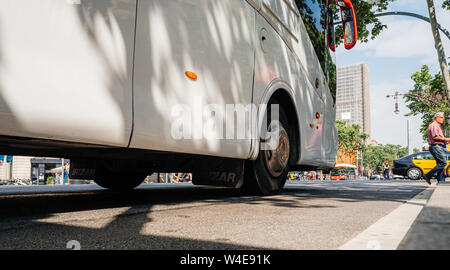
112 84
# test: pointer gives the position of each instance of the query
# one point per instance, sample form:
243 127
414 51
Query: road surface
307 215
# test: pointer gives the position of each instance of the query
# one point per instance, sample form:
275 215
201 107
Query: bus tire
268 173
120 181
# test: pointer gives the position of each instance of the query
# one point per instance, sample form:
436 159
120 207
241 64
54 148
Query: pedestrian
437 142
66 170
386 170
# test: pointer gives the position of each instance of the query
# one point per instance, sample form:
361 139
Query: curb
431 230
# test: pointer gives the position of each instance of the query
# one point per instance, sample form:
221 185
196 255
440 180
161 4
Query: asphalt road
306 215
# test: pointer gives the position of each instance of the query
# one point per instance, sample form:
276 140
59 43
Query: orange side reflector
191 75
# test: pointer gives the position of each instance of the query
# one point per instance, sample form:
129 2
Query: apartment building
353 95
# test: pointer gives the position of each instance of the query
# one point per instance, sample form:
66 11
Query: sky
398 52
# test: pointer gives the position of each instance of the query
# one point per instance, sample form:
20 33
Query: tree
368 25
375 156
439 46
365 17
427 98
446 4
350 139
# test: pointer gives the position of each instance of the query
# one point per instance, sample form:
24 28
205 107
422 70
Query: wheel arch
283 93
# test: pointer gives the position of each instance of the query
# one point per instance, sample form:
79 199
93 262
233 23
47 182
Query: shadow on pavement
23 224
292 196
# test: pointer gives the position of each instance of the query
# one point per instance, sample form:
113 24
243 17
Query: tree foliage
375 156
369 26
427 98
350 138
446 4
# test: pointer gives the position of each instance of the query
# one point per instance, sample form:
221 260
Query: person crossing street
437 141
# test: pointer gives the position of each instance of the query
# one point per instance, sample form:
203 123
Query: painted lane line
388 232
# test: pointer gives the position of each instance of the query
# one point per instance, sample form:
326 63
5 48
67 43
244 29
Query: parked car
375 177
416 165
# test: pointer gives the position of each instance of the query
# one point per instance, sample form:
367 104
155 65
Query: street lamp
395 96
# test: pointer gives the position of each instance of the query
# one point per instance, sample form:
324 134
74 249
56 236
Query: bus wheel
119 180
268 173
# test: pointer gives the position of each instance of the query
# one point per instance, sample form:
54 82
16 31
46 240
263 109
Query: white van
125 88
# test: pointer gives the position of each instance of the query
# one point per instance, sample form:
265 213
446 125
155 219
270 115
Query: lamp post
410 151
396 96
418 16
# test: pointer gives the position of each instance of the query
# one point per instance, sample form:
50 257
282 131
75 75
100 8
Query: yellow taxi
416 165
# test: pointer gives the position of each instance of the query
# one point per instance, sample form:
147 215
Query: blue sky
392 58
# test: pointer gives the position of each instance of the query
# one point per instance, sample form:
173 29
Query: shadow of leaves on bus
6 115
159 84
197 37
170 41
207 37
3 105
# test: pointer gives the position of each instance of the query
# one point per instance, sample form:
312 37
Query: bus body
344 172
101 80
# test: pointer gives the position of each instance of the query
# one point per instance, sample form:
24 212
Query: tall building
353 95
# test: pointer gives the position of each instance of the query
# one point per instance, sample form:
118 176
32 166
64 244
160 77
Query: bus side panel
303 46
65 70
330 133
305 51
324 126
276 62
215 40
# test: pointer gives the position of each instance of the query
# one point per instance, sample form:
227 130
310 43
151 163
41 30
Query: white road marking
389 231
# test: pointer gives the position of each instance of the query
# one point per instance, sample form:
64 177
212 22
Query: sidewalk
431 230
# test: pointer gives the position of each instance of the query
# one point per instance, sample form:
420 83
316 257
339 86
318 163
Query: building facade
353 95
21 167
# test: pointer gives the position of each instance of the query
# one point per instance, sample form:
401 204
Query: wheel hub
414 173
277 159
